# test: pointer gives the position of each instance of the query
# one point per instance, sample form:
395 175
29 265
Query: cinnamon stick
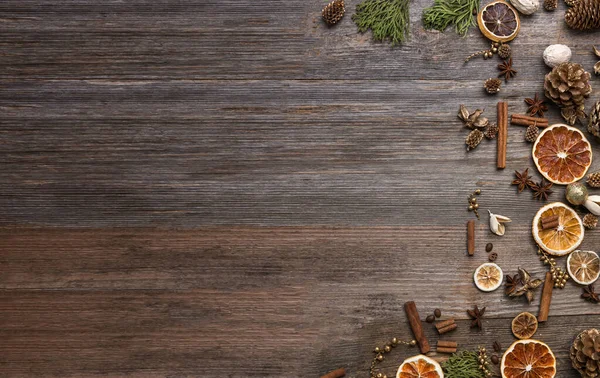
471 237
447 344
551 225
415 324
338 373
447 329
444 323
524 120
546 298
446 350
549 218
502 110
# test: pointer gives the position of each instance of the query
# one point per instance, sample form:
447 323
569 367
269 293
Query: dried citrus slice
583 267
524 325
420 366
562 154
498 21
488 277
565 237
528 359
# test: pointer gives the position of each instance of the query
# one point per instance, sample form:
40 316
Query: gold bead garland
387 348
559 276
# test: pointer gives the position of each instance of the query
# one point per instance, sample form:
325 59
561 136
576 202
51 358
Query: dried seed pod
550 5
491 132
590 221
532 133
504 51
473 139
492 85
593 179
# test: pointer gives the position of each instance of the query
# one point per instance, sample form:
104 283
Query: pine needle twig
388 19
443 13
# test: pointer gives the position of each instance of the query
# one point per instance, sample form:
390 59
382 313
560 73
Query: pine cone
334 11
584 15
492 86
550 5
473 139
504 51
567 85
585 353
593 179
590 221
532 133
594 120
571 2
491 132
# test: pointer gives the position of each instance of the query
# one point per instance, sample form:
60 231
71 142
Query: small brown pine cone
492 86
550 5
473 139
334 11
594 120
504 51
590 221
491 132
584 15
532 133
593 179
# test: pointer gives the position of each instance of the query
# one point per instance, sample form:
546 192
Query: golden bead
476 206
387 348
377 350
379 357
379 375
471 207
395 341
413 342
384 376
478 191
494 50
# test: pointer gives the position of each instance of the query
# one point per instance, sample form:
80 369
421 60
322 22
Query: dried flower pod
504 51
473 139
492 85
550 5
590 221
492 131
556 54
497 223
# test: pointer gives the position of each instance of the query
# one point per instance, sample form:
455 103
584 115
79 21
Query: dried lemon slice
583 267
498 21
562 154
565 237
524 325
528 359
420 366
488 277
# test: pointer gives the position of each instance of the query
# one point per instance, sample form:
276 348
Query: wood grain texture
230 188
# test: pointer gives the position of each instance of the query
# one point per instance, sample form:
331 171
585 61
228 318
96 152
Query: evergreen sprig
388 19
443 13
463 365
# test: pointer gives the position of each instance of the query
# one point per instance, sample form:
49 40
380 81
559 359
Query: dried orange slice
563 239
562 154
528 359
524 325
583 267
498 21
420 366
488 277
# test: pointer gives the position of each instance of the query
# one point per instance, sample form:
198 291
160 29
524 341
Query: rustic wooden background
229 188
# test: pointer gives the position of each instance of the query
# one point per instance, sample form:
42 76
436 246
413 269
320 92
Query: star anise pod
528 286
523 180
536 106
476 315
506 69
590 294
511 284
541 190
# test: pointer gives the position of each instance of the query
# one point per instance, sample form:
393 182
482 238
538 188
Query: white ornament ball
526 7
556 54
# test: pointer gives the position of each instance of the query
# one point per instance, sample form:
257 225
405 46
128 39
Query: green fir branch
388 19
444 13
463 365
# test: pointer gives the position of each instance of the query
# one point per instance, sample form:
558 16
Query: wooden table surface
228 188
